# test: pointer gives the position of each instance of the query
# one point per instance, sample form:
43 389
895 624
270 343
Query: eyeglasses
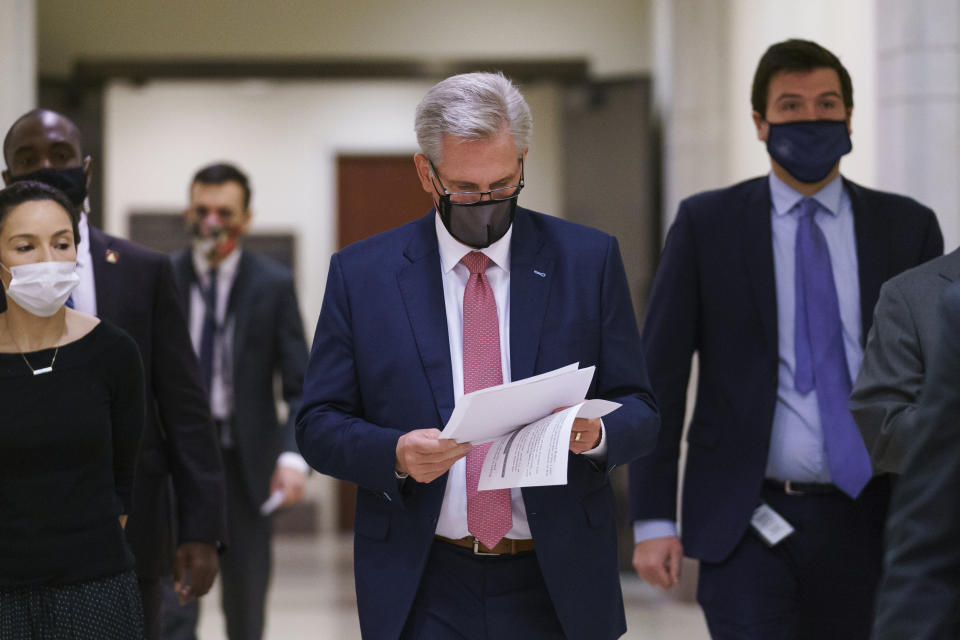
473 197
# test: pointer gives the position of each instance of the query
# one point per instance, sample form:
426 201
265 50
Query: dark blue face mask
809 149
73 182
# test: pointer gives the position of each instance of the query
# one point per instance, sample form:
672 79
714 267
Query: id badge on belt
770 525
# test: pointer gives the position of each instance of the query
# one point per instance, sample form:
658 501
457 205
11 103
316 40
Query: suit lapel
756 249
238 302
872 242
104 274
531 277
421 288
184 274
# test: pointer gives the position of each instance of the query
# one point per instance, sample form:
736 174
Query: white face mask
42 287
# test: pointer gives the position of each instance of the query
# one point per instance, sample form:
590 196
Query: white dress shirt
85 294
453 512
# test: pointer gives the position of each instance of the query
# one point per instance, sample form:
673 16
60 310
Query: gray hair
474 106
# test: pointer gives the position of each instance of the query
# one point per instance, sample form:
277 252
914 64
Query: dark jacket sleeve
669 339
333 438
919 595
622 374
292 347
884 397
192 446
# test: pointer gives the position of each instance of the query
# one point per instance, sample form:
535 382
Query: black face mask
73 182
809 149
480 224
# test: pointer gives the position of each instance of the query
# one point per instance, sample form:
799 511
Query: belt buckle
790 491
477 552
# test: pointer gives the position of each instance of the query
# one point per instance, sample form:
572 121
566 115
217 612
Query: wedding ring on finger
577 439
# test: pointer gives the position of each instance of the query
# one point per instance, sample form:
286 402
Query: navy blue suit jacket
380 366
715 295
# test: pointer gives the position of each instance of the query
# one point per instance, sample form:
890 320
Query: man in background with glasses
477 293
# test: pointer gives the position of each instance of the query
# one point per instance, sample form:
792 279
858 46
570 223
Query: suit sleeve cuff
650 529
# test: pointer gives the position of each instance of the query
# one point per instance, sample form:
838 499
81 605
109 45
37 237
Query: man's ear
849 120
763 127
424 173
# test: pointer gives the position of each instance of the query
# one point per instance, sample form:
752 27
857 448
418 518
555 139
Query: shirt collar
227 269
452 250
785 197
83 247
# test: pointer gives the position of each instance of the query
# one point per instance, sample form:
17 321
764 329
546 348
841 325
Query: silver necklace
42 370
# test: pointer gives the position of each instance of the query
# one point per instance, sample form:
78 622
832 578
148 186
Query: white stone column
691 41
18 59
918 68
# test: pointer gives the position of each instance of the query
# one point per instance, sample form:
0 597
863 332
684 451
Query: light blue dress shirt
797 450
796 441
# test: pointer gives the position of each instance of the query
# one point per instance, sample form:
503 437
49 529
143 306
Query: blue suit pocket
372 524
599 508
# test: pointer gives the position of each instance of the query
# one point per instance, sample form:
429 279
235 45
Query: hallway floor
312 598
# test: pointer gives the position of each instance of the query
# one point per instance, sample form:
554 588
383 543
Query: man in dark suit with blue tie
477 292
134 288
772 283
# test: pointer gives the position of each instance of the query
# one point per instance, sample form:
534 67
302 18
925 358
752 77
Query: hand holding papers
530 441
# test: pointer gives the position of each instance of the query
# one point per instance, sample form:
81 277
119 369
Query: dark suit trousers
151 596
817 584
244 568
467 597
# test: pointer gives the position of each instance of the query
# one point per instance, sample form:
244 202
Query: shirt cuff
293 460
599 452
650 529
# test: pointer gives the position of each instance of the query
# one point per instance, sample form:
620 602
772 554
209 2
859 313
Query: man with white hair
476 293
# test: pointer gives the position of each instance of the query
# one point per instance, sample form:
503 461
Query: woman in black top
71 412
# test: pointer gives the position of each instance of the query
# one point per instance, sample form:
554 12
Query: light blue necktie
821 361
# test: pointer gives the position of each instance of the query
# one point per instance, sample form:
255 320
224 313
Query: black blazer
268 339
714 294
919 595
135 290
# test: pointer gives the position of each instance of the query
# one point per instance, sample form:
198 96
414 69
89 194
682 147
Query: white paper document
530 442
536 454
489 413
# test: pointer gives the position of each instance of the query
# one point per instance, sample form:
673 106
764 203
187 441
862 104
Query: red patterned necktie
488 512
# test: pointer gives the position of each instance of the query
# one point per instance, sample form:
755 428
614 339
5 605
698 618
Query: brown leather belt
506 546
